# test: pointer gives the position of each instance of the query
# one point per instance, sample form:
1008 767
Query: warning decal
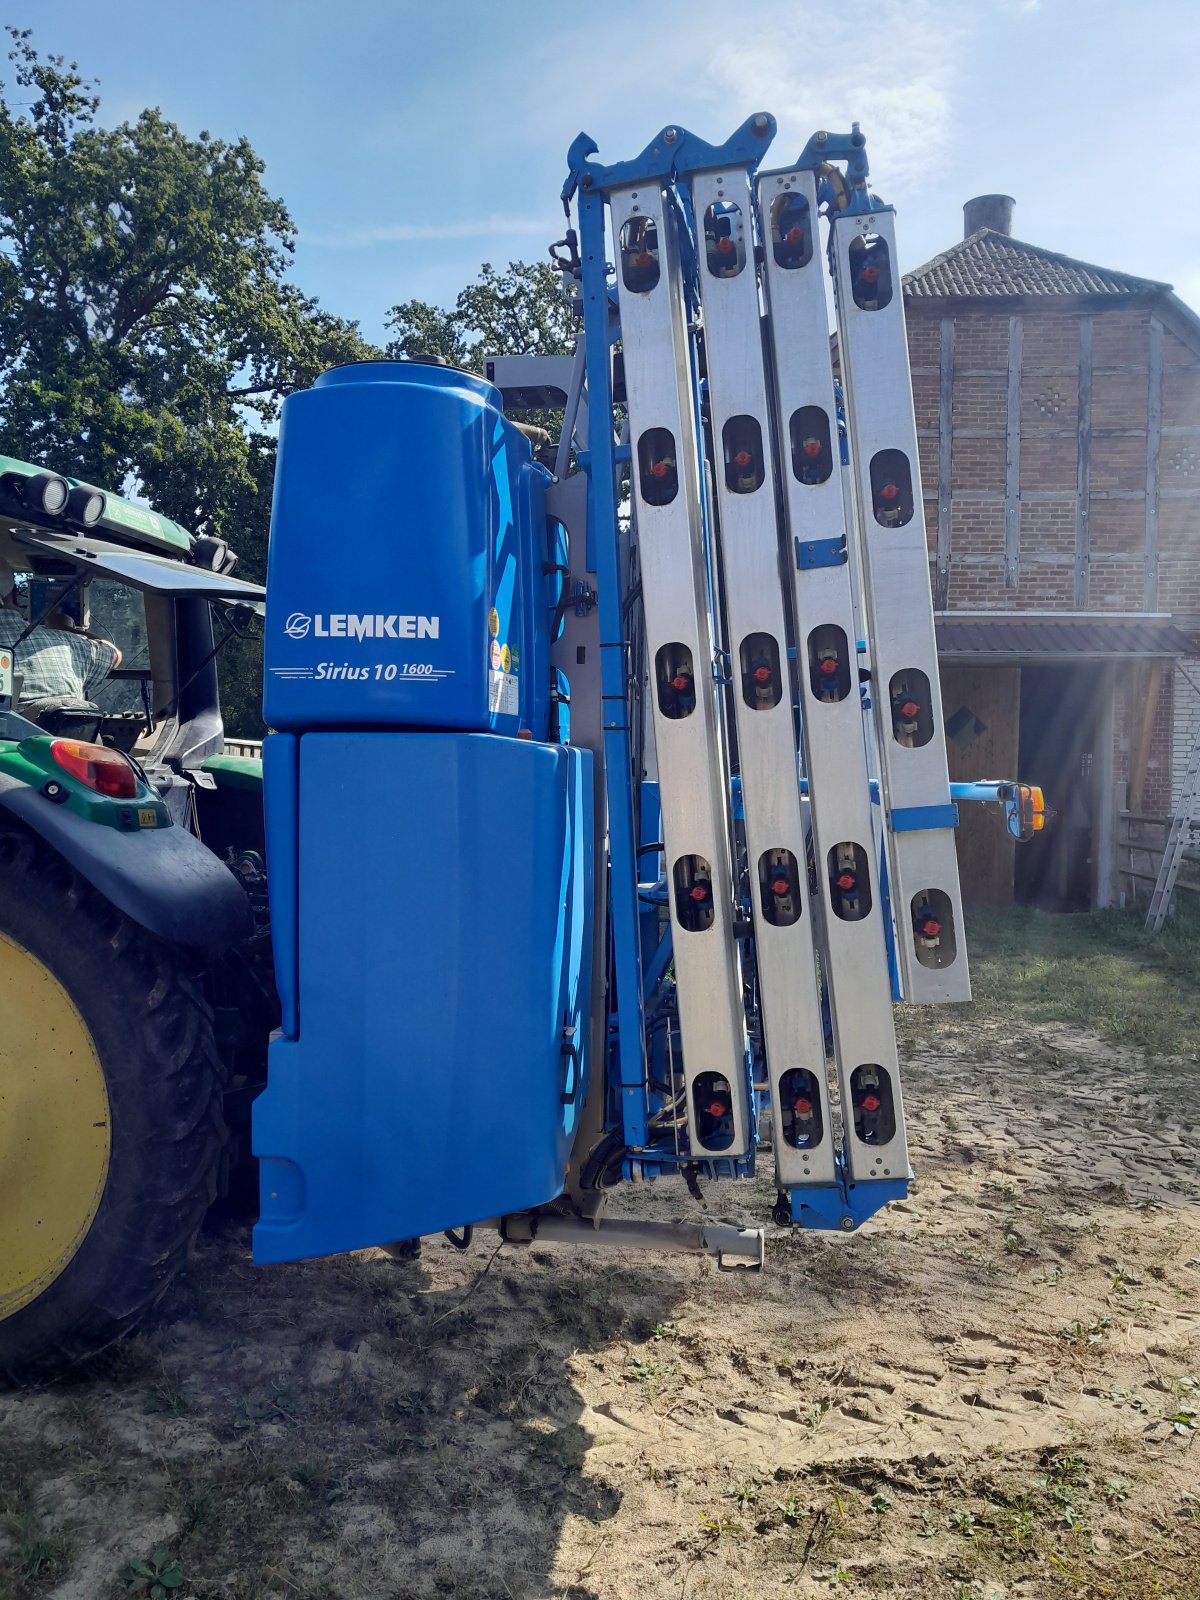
502 694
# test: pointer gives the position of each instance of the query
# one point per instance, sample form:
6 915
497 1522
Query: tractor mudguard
162 878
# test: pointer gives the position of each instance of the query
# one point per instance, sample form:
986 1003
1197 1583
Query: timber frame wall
1060 458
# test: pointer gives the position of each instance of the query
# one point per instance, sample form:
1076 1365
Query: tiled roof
1009 636
990 265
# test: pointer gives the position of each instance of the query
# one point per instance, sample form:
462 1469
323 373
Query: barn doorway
1048 724
1062 729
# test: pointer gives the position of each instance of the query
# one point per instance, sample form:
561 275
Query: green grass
1101 972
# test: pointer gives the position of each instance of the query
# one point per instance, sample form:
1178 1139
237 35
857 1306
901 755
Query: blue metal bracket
812 553
842 1206
583 598
917 819
848 147
673 153
620 453
851 148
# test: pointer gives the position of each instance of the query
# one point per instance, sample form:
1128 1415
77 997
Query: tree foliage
518 312
148 333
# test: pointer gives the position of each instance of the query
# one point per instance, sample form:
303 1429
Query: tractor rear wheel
110 1114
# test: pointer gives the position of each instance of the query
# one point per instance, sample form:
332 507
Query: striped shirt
53 663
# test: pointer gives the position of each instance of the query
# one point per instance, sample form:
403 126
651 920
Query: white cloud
499 227
897 77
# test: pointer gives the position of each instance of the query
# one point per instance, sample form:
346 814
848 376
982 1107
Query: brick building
1058 413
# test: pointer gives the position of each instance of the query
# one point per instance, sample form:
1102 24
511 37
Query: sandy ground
987 1394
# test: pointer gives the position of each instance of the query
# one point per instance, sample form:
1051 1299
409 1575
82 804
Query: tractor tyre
110 1115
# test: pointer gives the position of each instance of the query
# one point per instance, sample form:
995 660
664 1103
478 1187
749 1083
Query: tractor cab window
88 643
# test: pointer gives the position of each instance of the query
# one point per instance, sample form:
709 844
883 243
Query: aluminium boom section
854 953
694 785
748 543
915 784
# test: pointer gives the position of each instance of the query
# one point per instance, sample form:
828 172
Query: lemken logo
348 625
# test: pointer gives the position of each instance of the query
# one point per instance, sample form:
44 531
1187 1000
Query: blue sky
413 139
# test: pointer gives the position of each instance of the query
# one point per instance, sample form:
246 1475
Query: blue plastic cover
444 958
405 584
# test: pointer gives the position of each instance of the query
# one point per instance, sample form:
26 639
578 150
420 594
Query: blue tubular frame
628 1049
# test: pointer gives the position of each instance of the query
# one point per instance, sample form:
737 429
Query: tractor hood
139 569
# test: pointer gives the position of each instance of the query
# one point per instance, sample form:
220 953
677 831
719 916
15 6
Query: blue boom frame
640 1035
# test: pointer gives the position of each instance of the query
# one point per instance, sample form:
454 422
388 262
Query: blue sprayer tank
408 534
429 844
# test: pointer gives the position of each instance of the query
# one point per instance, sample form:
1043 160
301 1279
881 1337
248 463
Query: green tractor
135 975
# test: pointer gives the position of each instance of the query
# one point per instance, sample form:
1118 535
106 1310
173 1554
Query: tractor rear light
105 771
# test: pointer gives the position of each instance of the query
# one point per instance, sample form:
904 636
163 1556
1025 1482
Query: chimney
993 211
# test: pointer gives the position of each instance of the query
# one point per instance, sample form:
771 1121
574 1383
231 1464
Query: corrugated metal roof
990 266
1052 636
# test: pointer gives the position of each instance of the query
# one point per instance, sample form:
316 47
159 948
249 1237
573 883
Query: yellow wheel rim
55 1133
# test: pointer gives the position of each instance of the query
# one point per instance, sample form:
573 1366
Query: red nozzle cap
811 447
781 886
871 1102
762 674
660 469
870 274
794 235
743 458
909 708
802 1107
847 880
643 259
930 928
889 491
829 666
679 681
698 892
725 246
716 1108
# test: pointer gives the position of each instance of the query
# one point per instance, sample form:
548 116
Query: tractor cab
111 620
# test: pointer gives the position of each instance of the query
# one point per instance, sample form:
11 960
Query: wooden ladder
1175 843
